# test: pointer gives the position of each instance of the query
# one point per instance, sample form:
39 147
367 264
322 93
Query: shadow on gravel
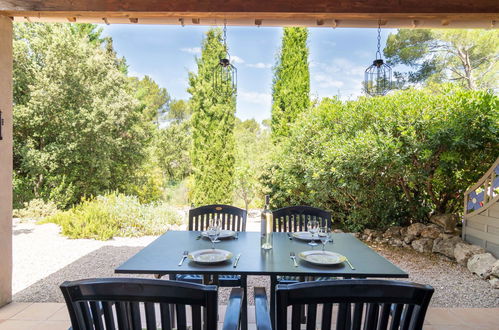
21 231
99 263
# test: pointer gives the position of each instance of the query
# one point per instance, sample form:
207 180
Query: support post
6 161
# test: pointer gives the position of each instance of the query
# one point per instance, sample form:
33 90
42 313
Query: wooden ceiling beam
319 13
241 6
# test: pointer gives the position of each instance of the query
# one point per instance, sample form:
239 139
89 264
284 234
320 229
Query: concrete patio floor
54 316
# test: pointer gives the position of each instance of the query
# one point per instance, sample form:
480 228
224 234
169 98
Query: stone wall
443 240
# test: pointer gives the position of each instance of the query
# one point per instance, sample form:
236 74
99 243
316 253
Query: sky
338 58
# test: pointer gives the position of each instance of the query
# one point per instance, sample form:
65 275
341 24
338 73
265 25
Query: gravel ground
43 259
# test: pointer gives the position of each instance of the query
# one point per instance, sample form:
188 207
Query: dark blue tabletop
162 257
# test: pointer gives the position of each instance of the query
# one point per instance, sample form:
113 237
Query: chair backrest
296 218
130 303
233 218
354 304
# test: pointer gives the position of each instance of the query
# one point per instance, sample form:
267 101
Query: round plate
210 256
305 236
322 257
223 234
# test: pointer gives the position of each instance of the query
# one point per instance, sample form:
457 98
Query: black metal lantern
378 76
225 74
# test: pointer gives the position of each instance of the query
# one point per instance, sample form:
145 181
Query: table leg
272 307
244 316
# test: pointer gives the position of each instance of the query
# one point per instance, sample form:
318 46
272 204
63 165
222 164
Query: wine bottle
266 223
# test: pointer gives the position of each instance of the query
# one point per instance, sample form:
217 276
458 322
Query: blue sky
338 58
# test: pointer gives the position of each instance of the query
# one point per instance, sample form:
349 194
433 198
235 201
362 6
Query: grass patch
105 217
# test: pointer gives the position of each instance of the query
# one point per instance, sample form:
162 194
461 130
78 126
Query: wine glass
324 236
313 227
213 231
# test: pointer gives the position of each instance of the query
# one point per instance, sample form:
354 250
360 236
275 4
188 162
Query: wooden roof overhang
318 13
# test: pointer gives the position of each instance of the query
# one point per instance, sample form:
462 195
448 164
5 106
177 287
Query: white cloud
259 65
255 97
339 76
325 81
192 50
236 59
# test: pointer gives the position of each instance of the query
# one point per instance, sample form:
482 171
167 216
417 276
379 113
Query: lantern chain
378 53
225 39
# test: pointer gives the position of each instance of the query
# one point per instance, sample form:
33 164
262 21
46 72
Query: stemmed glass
313 227
213 231
325 236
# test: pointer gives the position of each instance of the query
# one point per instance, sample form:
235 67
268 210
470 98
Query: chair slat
135 315
343 317
357 316
150 316
407 317
327 314
96 311
166 319
296 317
196 318
85 312
311 316
397 314
181 317
372 316
107 308
121 315
384 316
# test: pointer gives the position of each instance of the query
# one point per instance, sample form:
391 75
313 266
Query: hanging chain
379 40
225 39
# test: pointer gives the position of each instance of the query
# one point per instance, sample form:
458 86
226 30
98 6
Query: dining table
162 256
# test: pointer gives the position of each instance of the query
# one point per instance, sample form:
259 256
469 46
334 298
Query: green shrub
113 215
381 161
36 209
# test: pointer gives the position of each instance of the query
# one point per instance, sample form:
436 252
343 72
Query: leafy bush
36 209
115 215
388 160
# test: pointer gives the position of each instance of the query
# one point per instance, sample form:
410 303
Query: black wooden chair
233 218
296 219
347 304
136 304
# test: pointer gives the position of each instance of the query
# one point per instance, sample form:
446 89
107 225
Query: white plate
322 258
305 235
223 234
210 256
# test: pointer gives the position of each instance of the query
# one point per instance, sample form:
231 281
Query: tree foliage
291 83
154 100
172 151
388 160
253 150
77 123
469 57
213 118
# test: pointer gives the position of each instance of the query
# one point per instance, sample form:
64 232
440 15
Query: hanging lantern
378 76
225 74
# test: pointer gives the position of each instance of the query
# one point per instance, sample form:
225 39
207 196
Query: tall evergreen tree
213 120
291 84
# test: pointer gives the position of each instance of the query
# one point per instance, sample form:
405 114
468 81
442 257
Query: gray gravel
43 259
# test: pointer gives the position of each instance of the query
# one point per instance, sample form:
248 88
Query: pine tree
213 120
291 84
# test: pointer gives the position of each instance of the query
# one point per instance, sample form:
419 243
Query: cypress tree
213 121
291 83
